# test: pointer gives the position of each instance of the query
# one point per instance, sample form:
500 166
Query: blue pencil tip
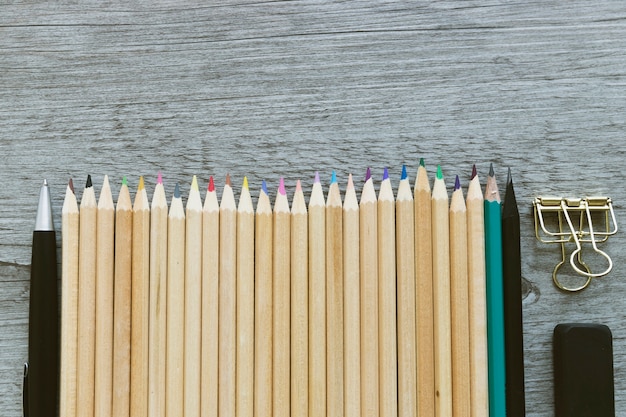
404 174
333 178
177 191
264 186
385 174
457 183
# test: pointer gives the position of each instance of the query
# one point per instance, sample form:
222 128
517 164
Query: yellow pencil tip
141 185
194 184
245 182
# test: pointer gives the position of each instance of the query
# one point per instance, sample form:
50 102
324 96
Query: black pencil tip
89 184
509 179
491 173
71 185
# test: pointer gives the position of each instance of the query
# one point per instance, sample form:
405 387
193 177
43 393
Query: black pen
41 371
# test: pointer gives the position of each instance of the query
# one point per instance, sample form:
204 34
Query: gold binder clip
586 211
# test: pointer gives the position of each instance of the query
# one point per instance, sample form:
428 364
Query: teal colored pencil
495 293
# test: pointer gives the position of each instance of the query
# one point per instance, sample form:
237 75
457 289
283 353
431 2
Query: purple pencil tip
457 183
473 172
317 176
385 174
368 174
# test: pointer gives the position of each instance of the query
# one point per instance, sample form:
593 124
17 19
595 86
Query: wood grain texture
128 89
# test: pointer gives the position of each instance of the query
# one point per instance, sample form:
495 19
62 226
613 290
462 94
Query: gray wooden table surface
271 89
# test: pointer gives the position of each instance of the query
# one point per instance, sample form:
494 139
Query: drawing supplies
175 332
193 301
479 387
334 300
317 304
299 305
405 260
41 370
281 303
245 304
512 290
424 321
85 361
140 288
441 297
210 302
263 243
495 308
387 321
368 257
227 301
459 304
351 311
69 303
105 243
122 303
158 302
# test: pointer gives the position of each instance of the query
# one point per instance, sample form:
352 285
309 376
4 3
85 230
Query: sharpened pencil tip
368 174
281 186
264 187
159 178
89 184
457 183
491 173
474 173
350 182
317 176
333 178
245 182
194 183
298 186
124 181
422 163
385 174
404 174
228 180
177 191
211 184
71 185
439 173
509 178
141 184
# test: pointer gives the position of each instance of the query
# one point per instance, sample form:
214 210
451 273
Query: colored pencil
263 307
227 302
459 304
140 297
245 304
158 302
441 297
122 303
424 314
387 319
175 333
105 243
281 303
479 390
351 311
69 303
368 257
317 304
193 301
299 305
405 259
334 300
210 302
495 308
512 286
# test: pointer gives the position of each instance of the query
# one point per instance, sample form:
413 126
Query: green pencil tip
439 173
422 163
124 181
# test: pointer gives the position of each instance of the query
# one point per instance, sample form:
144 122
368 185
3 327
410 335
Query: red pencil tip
211 184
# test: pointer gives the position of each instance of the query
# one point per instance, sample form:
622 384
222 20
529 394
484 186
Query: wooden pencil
368 259
387 319
263 243
69 303
424 321
227 302
299 305
140 297
122 303
334 299
459 304
405 260
245 304
104 302
512 288
479 390
193 301
495 308
175 333
441 297
281 303
210 302
317 303
158 302
351 311
87 250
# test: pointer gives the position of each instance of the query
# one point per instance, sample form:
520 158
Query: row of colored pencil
383 306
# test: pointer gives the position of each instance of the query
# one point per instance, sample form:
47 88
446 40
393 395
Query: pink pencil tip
281 187
298 186
159 178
